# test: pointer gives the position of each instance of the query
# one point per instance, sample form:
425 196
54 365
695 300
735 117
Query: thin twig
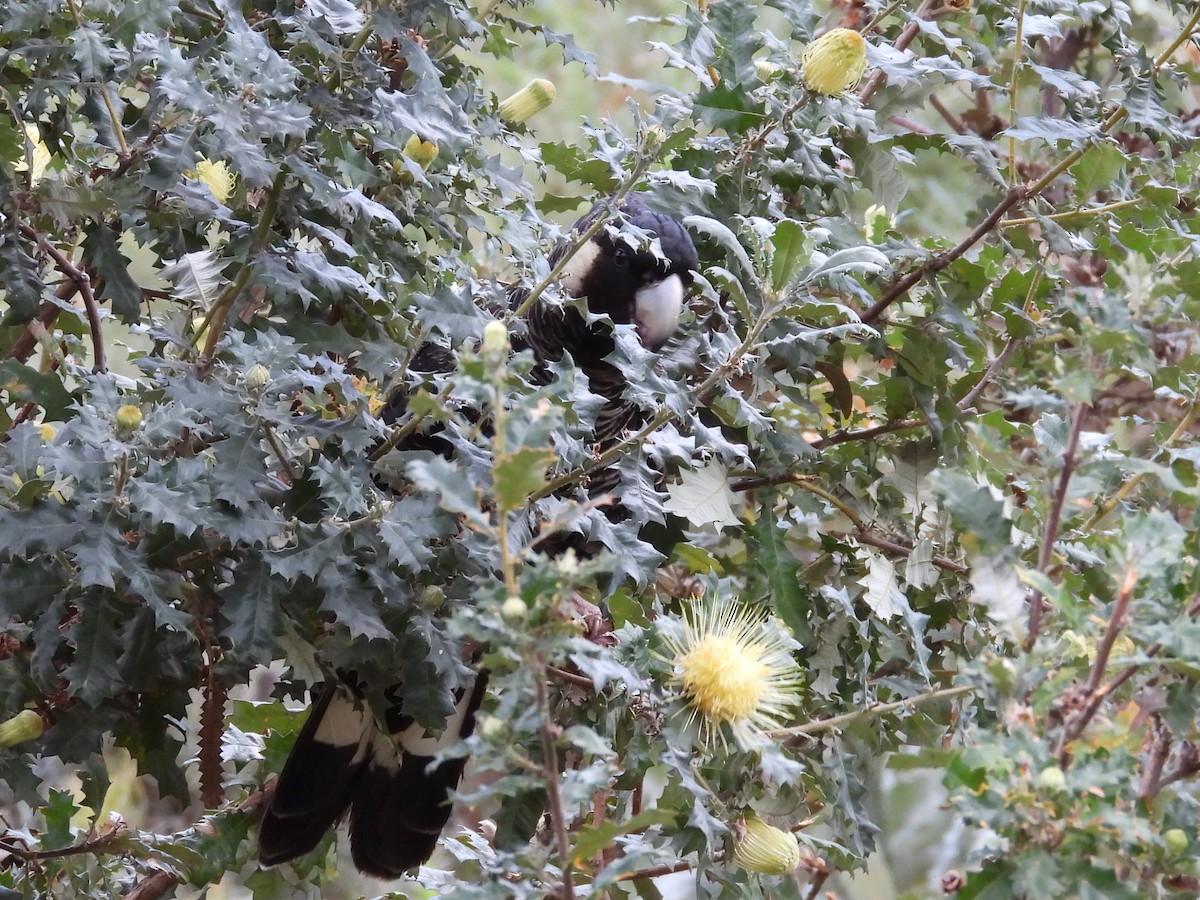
1115 623
865 434
572 678
664 869
944 111
101 842
1037 600
873 540
1156 759
876 81
818 882
83 282
1016 194
411 425
968 401
835 723
214 320
1134 480
1093 690
1068 215
1013 87
47 313
554 800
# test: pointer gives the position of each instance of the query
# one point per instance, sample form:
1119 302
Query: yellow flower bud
495 338
532 98
1176 840
128 417
47 432
514 609
26 725
257 377
834 62
764 848
765 69
422 152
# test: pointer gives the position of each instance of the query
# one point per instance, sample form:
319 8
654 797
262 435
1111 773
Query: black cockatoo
344 760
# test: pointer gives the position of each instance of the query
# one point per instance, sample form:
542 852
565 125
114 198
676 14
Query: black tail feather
317 783
342 762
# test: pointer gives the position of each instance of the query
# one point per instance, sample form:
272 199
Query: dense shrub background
933 406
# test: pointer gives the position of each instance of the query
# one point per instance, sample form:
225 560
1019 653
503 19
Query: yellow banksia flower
834 62
736 670
422 152
215 176
26 725
531 99
764 848
41 156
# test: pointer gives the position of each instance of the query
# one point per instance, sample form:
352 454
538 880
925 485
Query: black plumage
343 761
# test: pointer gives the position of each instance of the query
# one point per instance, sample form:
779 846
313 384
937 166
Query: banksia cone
834 62
26 725
764 848
422 152
257 377
736 671
128 417
532 98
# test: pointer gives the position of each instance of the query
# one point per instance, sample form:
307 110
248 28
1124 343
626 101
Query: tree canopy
931 424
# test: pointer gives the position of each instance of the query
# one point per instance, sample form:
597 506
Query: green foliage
933 408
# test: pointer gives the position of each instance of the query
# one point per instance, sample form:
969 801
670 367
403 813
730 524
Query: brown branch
1115 623
581 681
910 125
818 882
1016 194
1152 651
873 540
109 836
793 735
944 111
907 36
554 802
664 869
25 344
153 886
83 282
1156 759
993 368
865 434
1037 600
1094 692
1188 765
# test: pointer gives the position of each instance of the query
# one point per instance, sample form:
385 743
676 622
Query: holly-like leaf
702 496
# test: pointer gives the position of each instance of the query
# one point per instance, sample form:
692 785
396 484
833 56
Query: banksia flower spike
26 725
764 848
420 151
735 670
834 62
532 98
128 418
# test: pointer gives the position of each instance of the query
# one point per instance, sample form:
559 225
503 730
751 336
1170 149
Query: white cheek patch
581 262
657 309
